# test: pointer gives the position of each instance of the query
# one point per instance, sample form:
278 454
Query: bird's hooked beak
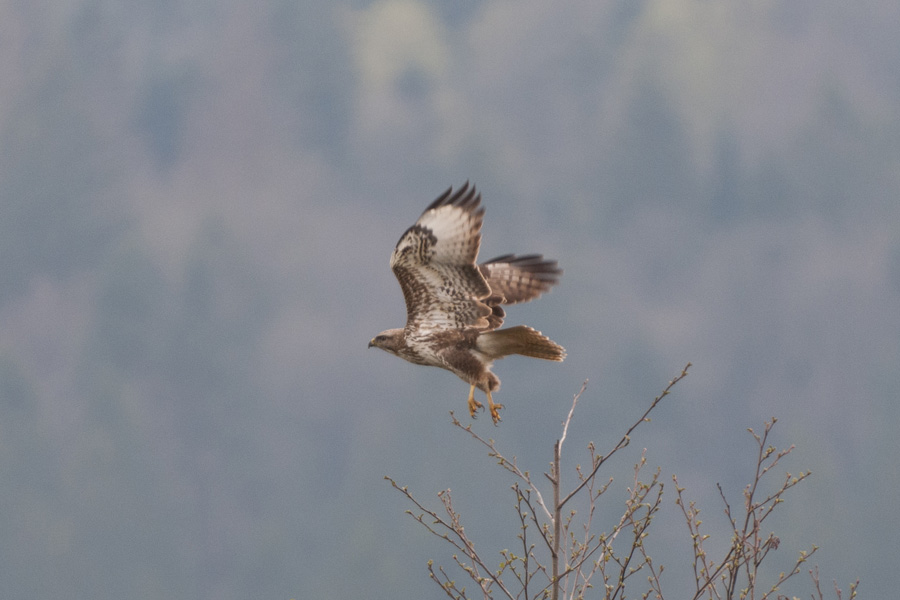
371 342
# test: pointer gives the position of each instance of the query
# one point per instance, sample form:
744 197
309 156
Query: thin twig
568 420
627 437
510 466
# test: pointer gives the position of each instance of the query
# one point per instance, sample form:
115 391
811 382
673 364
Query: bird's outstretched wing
434 261
514 279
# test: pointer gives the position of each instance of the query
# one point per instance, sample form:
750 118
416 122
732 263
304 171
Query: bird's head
391 340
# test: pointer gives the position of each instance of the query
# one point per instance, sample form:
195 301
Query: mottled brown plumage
454 306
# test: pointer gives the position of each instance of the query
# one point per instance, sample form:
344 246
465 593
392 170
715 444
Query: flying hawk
454 306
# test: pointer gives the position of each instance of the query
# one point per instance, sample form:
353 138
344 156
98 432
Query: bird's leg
494 408
473 403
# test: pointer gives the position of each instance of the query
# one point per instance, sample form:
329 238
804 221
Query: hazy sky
199 201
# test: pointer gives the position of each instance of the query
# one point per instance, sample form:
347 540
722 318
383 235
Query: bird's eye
380 338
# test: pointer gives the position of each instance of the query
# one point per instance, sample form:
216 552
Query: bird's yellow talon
494 408
474 407
474 404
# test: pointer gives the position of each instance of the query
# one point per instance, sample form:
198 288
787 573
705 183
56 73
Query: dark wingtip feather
533 263
465 197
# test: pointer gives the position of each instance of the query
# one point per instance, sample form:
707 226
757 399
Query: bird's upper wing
434 261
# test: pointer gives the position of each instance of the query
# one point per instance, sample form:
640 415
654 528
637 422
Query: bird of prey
454 306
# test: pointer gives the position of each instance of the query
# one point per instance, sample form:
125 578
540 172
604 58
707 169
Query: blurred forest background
197 205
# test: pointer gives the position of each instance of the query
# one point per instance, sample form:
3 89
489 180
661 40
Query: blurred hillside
197 206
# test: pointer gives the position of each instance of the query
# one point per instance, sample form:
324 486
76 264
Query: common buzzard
454 306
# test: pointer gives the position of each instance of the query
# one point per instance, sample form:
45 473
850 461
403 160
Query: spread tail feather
519 340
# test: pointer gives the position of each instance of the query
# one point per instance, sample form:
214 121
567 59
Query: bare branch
626 439
565 557
510 466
